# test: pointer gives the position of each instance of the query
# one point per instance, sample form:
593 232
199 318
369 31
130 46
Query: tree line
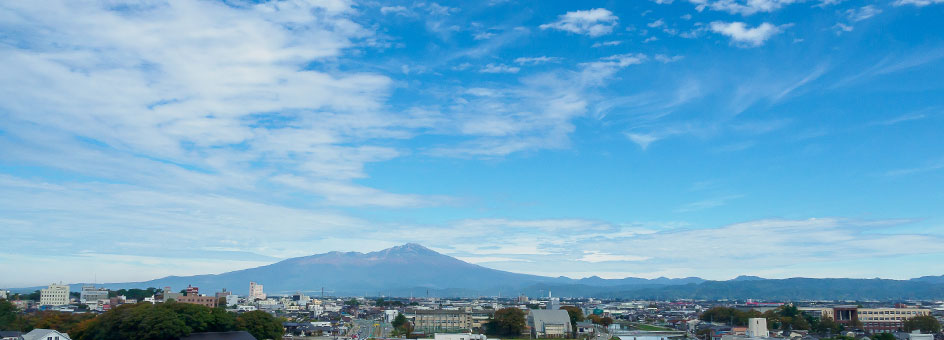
145 321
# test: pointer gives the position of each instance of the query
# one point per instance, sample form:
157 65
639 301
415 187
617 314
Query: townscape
471 169
56 312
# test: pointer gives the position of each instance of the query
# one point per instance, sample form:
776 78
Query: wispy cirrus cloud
742 7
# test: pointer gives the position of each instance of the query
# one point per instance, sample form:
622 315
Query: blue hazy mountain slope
414 270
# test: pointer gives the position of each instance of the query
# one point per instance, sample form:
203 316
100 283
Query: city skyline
708 138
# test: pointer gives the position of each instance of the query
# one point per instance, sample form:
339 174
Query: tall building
255 292
4 294
55 295
92 294
191 290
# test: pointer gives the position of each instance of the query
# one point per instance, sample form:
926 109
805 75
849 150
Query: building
255 292
191 290
885 320
459 336
232 300
208 301
45 334
10 335
916 335
757 327
818 312
390 314
432 321
553 304
4 294
55 295
546 323
91 295
170 295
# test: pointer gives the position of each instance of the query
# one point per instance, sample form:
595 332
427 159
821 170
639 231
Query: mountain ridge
412 269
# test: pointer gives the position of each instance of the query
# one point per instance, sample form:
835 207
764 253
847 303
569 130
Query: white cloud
398 10
594 22
840 28
536 60
483 35
499 68
862 13
657 23
643 140
918 3
742 7
595 257
662 58
607 43
744 36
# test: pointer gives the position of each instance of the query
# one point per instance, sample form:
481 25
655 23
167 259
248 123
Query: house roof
10 334
42 333
240 335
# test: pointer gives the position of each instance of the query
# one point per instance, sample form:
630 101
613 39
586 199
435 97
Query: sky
643 138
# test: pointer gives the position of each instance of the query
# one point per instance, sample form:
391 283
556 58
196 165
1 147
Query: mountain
414 270
401 270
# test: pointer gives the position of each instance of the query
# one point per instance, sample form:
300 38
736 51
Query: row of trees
144 321
785 317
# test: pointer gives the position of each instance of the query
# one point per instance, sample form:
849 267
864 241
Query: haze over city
708 138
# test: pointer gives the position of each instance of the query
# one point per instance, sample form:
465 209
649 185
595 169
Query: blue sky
707 138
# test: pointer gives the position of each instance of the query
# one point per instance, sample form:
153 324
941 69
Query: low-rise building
208 301
549 323
431 321
459 336
884 320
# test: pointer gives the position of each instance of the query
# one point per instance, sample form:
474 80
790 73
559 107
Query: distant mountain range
414 270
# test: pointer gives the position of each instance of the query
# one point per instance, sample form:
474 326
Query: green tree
8 313
261 325
606 321
575 313
401 325
729 315
827 325
924 323
883 336
138 321
507 321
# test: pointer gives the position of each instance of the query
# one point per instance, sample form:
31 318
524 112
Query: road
365 329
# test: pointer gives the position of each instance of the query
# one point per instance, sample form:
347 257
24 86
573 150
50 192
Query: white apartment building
55 295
